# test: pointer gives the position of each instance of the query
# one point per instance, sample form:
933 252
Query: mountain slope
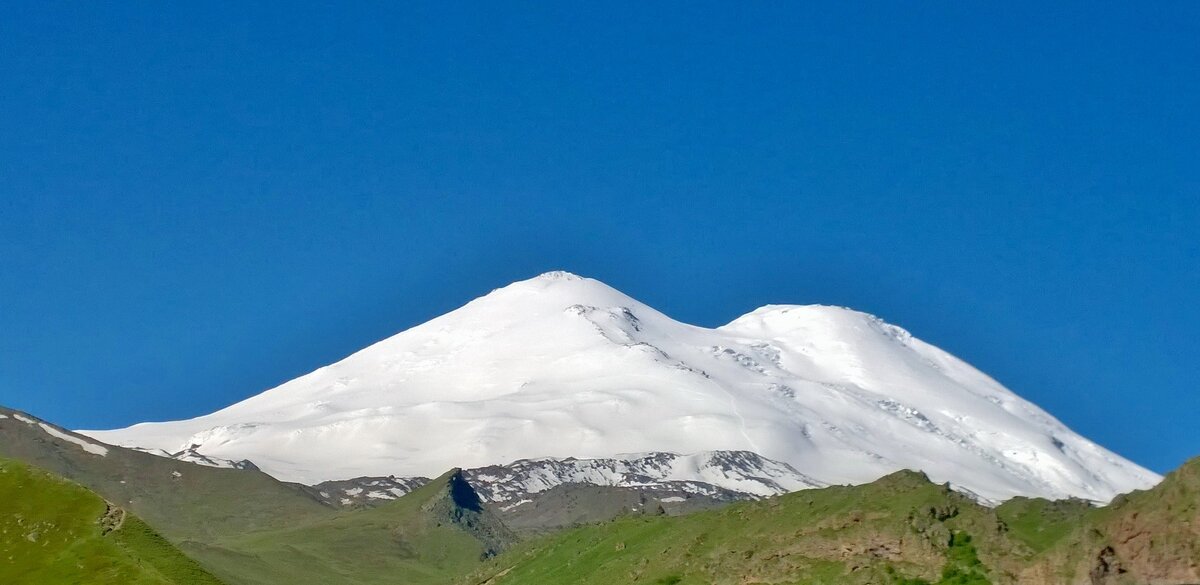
900 529
563 366
55 531
184 501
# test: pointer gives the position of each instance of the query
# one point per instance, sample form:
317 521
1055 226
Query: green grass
51 532
1040 524
962 563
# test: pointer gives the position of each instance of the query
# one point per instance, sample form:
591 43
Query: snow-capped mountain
562 366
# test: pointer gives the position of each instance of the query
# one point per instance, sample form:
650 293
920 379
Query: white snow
564 366
673 499
89 447
156 452
3 415
515 504
24 419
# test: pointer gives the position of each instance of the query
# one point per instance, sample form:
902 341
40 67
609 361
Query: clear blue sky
197 204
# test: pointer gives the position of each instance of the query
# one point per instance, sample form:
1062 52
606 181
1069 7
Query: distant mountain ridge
746 474
561 366
717 476
246 528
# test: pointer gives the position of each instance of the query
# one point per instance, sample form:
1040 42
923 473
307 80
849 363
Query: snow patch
89 447
514 505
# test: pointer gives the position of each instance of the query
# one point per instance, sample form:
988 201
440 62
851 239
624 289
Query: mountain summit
565 366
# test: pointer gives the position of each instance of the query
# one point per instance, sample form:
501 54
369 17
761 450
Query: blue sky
197 204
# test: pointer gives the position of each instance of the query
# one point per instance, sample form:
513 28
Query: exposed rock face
1107 567
112 520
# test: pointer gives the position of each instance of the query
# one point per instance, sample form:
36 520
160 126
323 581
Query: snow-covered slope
563 366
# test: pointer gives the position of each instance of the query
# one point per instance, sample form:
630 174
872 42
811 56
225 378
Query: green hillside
901 529
427 537
1150 536
247 528
55 531
183 501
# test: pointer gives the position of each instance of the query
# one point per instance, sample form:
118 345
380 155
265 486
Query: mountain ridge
897 529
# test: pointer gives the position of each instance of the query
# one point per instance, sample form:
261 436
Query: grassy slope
51 532
1041 524
421 538
248 528
899 529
